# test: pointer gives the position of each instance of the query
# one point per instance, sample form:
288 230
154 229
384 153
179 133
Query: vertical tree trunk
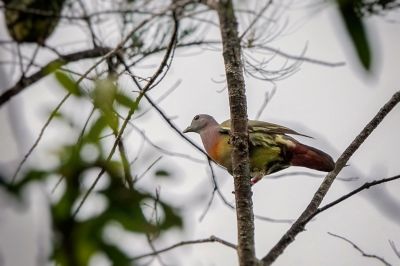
239 138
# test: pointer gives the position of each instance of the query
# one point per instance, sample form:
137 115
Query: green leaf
162 173
124 100
103 96
53 66
96 129
136 40
356 30
68 83
187 32
30 177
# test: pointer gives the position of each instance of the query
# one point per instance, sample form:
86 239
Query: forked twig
360 250
184 243
312 207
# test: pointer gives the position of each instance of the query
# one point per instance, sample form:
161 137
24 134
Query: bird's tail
310 157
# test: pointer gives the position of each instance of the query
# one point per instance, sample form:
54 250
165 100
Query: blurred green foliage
353 12
77 239
374 7
356 30
32 20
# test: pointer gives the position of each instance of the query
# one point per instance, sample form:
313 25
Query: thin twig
267 99
132 110
309 174
257 17
161 98
46 124
31 61
48 69
88 22
184 243
44 71
301 58
360 250
147 169
215 190
125 163
395 250
163 150
352 193
308 213
79 143
153 248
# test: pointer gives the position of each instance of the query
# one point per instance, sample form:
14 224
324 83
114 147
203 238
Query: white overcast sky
330 104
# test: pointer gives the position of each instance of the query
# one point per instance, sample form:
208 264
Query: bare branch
309 174
232 207
41 73
132 110
147 169
257 17
301 58
184 243
308 213
79 143
125 163
215 189
48 69
163 150
95 52
267 99
352 193
46 124
232 55
172 125
360 250
153 248
395 250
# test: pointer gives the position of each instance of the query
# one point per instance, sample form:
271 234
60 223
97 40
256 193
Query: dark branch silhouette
183 243
364 254
312 207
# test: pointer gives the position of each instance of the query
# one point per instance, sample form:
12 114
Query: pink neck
210 137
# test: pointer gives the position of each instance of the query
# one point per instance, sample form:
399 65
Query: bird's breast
218 148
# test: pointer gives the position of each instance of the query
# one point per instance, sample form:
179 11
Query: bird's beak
188 129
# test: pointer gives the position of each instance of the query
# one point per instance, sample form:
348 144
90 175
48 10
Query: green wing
261 127
270 128
268 145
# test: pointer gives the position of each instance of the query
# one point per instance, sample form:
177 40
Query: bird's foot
255 179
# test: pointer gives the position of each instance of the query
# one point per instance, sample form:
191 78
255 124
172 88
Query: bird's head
200 122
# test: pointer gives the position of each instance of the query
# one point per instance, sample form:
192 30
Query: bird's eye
196 117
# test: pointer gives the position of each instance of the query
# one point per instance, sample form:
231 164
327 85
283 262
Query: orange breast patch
214 151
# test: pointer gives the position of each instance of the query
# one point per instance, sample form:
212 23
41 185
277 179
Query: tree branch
184 243
395 250
49 68
360 250
257 17
352 193
309 212
132 110
95 52
240 154
301 58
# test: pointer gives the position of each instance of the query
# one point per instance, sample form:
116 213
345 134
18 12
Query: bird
271 149
32 21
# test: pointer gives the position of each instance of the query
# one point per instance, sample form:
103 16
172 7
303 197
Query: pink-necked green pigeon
270 148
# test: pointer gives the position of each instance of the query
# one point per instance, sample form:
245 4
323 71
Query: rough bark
239 138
